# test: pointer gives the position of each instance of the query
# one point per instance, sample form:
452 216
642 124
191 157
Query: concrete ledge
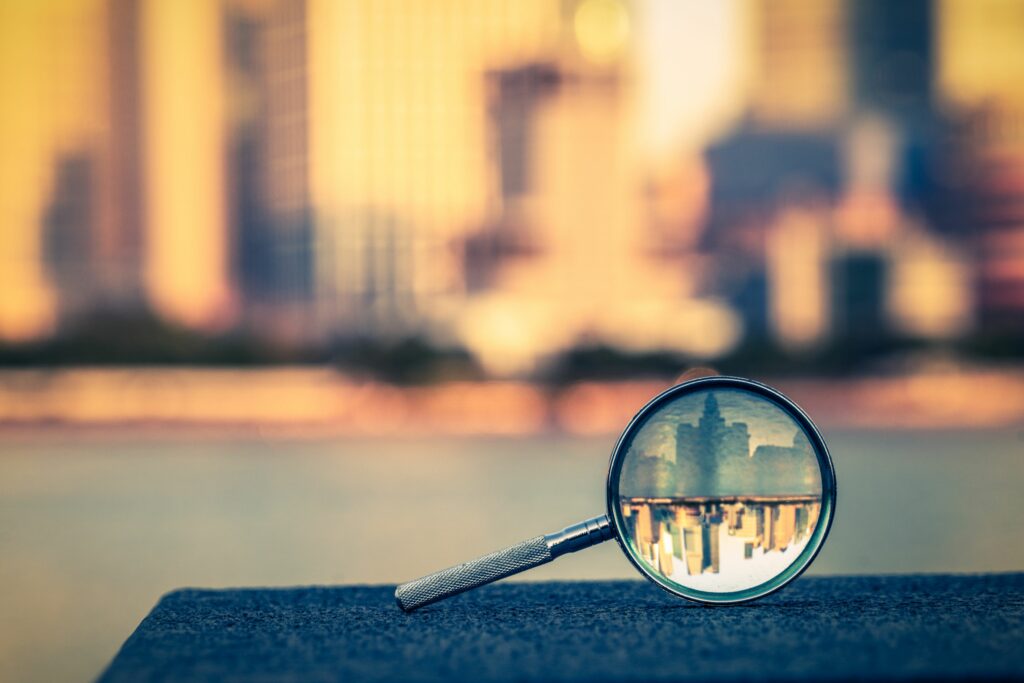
877 628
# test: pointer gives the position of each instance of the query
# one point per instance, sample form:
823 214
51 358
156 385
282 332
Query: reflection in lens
720 491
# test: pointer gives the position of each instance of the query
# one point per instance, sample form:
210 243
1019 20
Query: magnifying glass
720 490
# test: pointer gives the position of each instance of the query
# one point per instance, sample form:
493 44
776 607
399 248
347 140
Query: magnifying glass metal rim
828 489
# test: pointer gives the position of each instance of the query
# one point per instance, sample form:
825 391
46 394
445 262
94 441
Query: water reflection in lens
720 492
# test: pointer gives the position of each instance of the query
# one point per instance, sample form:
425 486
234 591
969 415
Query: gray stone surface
856 628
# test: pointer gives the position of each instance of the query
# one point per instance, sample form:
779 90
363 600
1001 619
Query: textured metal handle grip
455 580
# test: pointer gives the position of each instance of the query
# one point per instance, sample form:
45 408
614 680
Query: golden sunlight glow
26 304
186 241
797 273
708 45
979 51
593 277
509 334
602 29
321 402
931 288
50 52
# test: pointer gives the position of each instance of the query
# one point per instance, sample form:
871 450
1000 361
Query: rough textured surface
880 628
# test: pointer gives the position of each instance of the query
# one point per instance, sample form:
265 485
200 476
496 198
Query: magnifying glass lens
720 494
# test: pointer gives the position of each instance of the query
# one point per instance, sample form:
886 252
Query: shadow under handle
512 560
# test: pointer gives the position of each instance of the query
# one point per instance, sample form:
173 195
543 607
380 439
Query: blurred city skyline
516 179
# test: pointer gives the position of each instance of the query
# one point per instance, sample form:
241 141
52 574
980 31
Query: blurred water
93 531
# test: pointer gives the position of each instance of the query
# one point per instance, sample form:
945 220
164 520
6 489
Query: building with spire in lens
711 456
714 459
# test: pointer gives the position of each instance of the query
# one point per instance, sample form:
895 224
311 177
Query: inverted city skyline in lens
720 491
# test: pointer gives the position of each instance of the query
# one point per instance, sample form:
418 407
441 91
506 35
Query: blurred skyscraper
121 220
982 72
268 168
516 177
399 169
826 199
188 245
774 176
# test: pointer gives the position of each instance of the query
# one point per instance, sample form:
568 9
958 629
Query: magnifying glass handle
512 560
